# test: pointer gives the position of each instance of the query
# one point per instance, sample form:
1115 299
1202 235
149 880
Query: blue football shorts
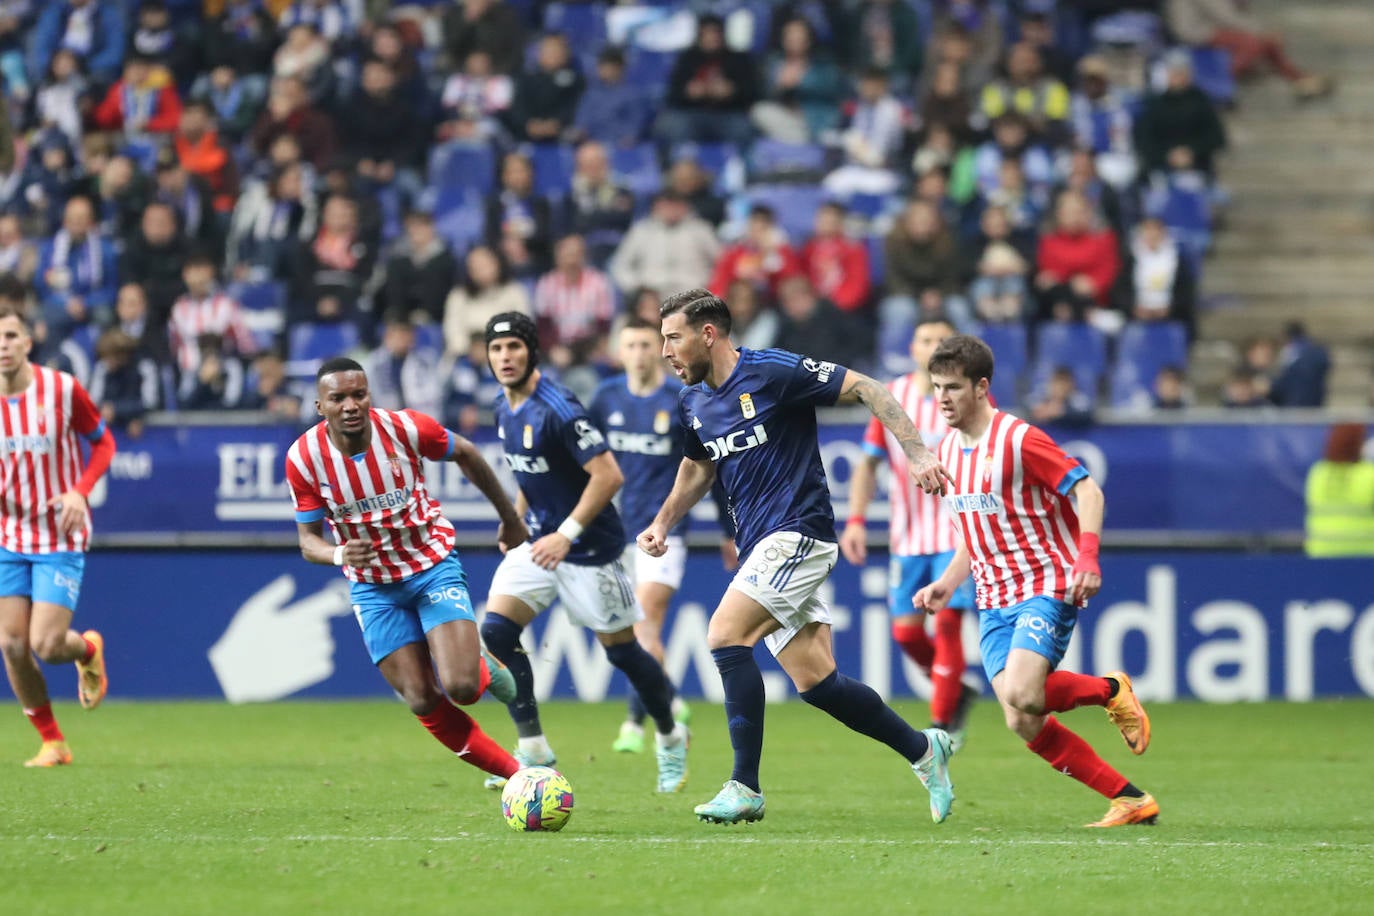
1043 625
908 575
399 613
53 578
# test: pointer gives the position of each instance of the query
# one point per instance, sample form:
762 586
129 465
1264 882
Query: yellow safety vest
1340 509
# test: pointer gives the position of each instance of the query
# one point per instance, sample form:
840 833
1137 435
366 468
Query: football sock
457 731
1130 791
635 711
915 643
858 706
42 719
90 650
744 705
1072 756
949 665
502 637
1065 690
647 677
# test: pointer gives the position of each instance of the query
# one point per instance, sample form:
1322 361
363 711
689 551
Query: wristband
570 528
856 520
338 555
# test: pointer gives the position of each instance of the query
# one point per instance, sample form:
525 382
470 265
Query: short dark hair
337 364
199 257
936 318
9 310
699 306
963 354
636 323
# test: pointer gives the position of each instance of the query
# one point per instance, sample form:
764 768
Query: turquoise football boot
734 802
933 770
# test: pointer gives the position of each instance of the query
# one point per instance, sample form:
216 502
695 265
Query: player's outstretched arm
511 530
926 470
862 483
694 479
1087 572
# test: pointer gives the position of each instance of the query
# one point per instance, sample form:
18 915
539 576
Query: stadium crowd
200 201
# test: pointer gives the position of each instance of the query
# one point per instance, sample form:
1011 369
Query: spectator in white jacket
669 250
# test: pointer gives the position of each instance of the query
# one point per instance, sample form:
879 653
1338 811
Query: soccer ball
537 798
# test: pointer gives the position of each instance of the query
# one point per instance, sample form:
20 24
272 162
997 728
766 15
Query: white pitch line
1142 843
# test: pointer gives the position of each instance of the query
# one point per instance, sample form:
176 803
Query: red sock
1065 690
457 731
90 650
1072 756
948 666
483 681
915 643
42 719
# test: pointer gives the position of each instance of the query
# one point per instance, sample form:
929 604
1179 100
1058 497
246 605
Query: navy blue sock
635 707
502 637
650 683
744 704
858 706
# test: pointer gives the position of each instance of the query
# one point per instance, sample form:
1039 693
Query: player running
45 529
921 542
1034 559
360 468
637 412
751 417
567 477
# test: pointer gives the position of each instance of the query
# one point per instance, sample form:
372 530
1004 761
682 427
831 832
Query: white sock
677 706
536 747
673 738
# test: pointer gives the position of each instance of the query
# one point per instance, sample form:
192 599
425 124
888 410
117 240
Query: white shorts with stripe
600 598
665 570
783 573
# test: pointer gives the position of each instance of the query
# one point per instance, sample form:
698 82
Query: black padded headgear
521 327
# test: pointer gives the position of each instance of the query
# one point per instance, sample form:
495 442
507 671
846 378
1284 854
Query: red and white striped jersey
215 314
574 309
919 523
41 458
1010 501
378 495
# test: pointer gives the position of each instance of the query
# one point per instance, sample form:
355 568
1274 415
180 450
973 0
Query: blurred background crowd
201 200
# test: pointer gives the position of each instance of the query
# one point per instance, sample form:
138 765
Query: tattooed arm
925 468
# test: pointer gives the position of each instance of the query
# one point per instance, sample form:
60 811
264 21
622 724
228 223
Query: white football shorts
600 598
665 570
783 573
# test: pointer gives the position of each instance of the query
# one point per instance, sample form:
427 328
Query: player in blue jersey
567 477
638 413
751 419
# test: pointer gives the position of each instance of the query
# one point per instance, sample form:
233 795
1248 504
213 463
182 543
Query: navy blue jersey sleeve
581 437
803 380
691 442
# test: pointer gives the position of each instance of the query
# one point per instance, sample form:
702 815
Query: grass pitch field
352 808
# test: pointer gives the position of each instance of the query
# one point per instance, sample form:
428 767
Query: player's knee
421 697
461 687
1024 701
50 647
15 646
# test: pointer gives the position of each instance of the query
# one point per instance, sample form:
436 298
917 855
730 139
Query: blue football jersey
759 429
647 440
546 441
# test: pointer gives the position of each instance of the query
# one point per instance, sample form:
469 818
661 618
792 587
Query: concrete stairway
1298 237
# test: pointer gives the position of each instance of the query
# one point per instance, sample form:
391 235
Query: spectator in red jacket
143 101
761 257
1077 263
836 264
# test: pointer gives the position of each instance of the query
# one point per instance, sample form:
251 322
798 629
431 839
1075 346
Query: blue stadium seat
1212 73
459 218
1144 348
649 69
795 206
774 160
429 337
583 23
463 165
1009 343
553 168
264 304
311 343
636 167
143 152
1079 346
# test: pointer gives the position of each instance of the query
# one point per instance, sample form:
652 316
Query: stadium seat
459 218
1079 346
636 167
1212 73
553 168
429 337
143 152
795 206
462 165
584 24
264 305
1009 347
1144 348
772 160
721 160
311 343
649 69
